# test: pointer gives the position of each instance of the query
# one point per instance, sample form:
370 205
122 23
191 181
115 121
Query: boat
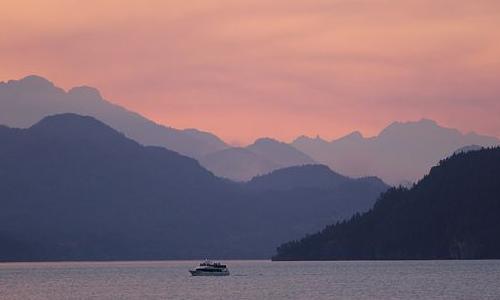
208 268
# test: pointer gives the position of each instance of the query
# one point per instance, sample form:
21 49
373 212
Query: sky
244 69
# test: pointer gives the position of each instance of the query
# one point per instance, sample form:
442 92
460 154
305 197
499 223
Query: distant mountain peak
353 136
305 138
266 140
279 152
72 125
319 168
86 92
305 176
207 138
33 82
73 128
423 121
310 176
35 78
422 124
67 119
428 121
301 138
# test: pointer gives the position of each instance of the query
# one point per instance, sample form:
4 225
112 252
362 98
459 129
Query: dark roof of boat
209 264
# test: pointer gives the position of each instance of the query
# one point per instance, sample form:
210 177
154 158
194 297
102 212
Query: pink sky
249 68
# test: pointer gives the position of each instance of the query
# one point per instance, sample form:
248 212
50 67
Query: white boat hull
205 273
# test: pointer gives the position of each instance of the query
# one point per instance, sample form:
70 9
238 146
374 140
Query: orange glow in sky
249 68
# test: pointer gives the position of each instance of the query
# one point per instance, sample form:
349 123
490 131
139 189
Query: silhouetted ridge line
26 101
401 152
263 156
452 213
73 188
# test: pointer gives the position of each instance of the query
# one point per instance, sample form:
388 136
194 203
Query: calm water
253 280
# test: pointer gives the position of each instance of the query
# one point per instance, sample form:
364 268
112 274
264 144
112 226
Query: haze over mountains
26 101
261 157
401 152
72 188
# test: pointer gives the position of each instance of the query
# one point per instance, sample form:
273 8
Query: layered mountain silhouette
73 188
26 101
402 152
238 164
261 157
310 177
452 213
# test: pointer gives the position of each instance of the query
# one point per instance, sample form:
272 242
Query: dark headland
452 213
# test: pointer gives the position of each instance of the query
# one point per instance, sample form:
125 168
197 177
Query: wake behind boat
208 268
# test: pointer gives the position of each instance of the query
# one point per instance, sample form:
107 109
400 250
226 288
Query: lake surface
253 280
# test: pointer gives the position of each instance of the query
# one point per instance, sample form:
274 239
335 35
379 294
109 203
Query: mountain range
73 188
402 152
452 213
261 157
26 101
